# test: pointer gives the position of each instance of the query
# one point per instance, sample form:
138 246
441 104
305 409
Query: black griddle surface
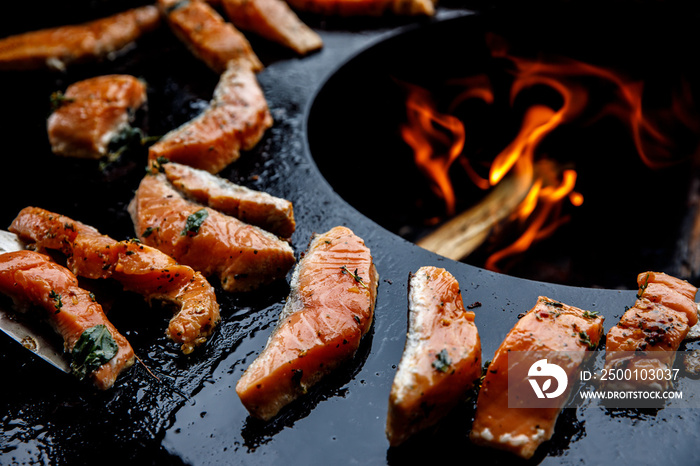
192 415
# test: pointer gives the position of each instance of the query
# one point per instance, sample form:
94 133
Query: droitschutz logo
546 372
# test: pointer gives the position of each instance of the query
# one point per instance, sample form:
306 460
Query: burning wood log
461 235
686 263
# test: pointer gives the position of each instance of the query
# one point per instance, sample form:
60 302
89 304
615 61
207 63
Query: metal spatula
22 332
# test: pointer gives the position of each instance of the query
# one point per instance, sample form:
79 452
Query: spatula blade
22 332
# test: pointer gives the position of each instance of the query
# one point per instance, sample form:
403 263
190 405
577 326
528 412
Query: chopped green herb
58 99
95 347
175 6
590 314
57 302
584 338
92 297
442 361
147 232
194 222
643 288
552 303
354 275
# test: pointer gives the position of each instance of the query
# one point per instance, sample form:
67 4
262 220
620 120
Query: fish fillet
207 35
57 47
365 7
657 324
92 113
31 278
550 327
441 359
243 256
329 308
235 120
270 213
273 20
139 268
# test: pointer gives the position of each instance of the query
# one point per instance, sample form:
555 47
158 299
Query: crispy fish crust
275 21
365 7
243 256
550 326
61 46
93 112
207 35
657 324
31 278
441 358
139 268
235 120
329 308
270 213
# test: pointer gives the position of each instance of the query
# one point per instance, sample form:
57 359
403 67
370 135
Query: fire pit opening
531 144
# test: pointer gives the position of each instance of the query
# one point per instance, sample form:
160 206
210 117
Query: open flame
438 139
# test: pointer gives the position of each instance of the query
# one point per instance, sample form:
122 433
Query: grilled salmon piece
441 358
243 256
329 308
92 113
57 47
365 7
207 35
275 21
139 268
270 213
657 324
31 278
235 120
549 327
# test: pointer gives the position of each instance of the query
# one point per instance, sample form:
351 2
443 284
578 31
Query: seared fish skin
550 326
441 359
243 256
270 213
329 308
235 120
365 7
31 278
139 268
57 47
657 323
92 113
273 20
207 35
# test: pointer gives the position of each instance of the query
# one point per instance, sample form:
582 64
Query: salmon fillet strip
273 20
139 268
657 324
93 112
329 308
61 46
31 278
235 120
441 360
365 7
207 35
270 213
243 256
550 326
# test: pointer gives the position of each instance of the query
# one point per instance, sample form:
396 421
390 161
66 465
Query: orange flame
438 139
548 202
